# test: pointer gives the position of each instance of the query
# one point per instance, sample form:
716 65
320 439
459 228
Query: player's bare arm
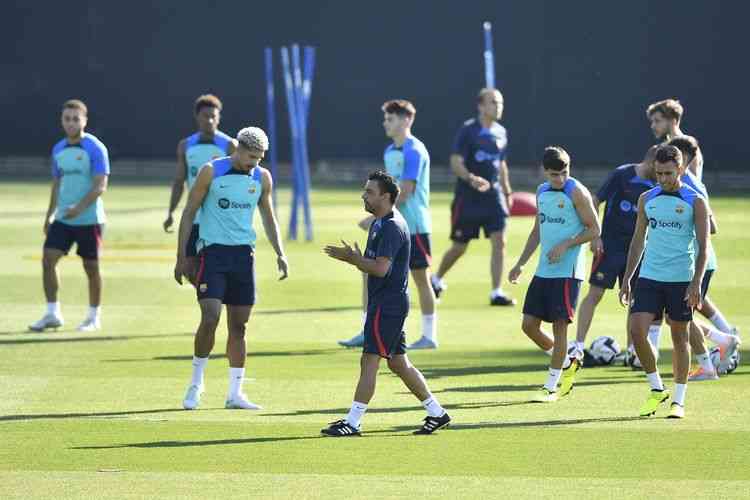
271 225
352 254
459 168
52 203
505 182
528 250
635 251
195 200
178 185
407 191
700 215
587 213
98 187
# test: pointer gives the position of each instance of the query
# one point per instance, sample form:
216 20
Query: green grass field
99 415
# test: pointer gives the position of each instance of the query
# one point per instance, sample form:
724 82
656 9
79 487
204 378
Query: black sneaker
340 428
502 300
431 424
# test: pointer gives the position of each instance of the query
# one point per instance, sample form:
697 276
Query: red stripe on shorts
566 295
422 247
378 338
597 260
201 268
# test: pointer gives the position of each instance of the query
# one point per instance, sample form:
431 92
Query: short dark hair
207 101
670 108
76 104
667 153
387 183
400 107
555 158
687 144
485 92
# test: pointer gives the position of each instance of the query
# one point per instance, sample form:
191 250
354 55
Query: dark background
579 74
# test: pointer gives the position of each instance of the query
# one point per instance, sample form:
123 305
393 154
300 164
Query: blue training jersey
670 238
411 162
389 237
482 150
227 211
76 165
691 180
620 193
559 221
199 151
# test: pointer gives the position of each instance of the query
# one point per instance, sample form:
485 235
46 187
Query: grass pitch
99 415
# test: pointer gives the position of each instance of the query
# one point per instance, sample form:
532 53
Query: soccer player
227 192
482 195
207 144
80 168
408 161
727 343
670 219
620 192
386 262
665 117
566 220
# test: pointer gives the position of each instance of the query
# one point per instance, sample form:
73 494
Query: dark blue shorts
192 241
655 297
552 299
421 252
706 283
384 333
88 239
608 268
467 219
227 273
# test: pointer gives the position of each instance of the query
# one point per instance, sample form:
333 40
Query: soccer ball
604 349
716 359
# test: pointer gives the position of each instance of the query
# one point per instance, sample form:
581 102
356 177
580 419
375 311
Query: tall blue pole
293 126
271 119
307 77
302 128
489 56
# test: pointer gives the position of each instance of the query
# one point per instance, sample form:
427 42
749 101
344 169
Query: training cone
523 203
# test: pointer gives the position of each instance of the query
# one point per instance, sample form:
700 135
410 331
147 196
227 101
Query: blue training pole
302 128
293 126
489 56
271 119
307 76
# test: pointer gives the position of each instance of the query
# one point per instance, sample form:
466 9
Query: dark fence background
579 74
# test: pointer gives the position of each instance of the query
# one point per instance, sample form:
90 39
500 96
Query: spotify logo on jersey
223 203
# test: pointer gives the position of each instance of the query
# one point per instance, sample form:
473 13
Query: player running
80 168
227 192
620 193
482 194
673 216
386 262
408 161
205 145
566 220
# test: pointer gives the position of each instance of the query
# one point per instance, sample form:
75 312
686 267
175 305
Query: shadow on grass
511 425
532 387
92 338
58 416
455 406
260 354
460 371
210 442
307 311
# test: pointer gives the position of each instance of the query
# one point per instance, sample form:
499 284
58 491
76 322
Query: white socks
236 377
94 312
355 414
497 292
719 337
432 407
53 308
654 380
579 347
199 366
429 326
439 283
704 360
720 322
553 379
679 394
654 334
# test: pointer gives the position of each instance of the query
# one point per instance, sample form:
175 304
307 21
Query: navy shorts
608 268
190 250
467 220
384 333
227 273
88 239
706 283
551 299
421 253
655 297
